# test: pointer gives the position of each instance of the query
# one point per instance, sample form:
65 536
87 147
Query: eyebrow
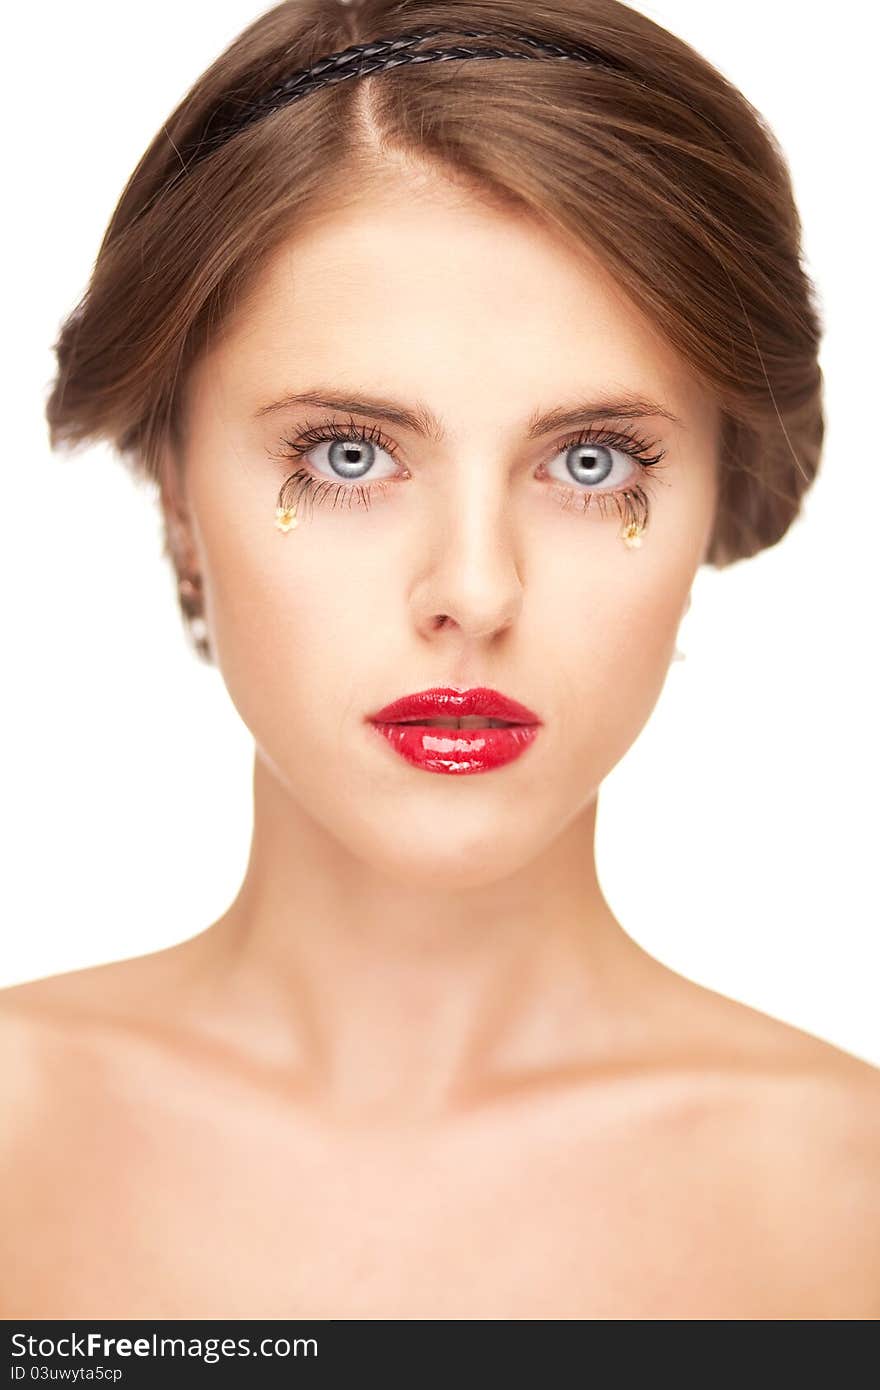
421 420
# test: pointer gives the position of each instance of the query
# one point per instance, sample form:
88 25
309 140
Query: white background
737 839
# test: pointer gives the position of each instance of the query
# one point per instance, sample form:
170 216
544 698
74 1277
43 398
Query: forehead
427 291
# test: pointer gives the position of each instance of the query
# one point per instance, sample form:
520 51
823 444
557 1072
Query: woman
453 358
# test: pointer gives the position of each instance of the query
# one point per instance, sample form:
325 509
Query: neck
384 995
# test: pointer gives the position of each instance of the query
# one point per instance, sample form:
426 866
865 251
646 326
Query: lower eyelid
315 490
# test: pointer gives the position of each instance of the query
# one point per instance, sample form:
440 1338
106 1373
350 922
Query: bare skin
418 1068
156 1164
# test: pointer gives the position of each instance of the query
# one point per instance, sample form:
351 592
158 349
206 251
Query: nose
470 582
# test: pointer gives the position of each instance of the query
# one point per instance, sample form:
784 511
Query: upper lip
457 703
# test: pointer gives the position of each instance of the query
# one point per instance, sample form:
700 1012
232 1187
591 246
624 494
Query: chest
142 1220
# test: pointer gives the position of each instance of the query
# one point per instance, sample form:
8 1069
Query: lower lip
458 751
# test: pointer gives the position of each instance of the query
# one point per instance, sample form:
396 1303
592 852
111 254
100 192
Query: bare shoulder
820 1149
95 992
44 1026
35 1063
804 1118
52 1027
128 993
810 1091
743 1038
72 1045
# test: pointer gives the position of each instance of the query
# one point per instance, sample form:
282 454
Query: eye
601 461
338 457
349 453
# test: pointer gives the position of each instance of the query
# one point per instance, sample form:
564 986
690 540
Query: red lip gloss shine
440 746
458 750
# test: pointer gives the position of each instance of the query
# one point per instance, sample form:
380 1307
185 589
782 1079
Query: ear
179 543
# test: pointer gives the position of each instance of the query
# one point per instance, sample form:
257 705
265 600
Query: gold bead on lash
286 518
631 535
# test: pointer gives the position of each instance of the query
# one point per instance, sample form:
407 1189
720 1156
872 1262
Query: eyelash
632 502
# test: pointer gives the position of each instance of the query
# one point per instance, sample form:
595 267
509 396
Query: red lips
457 704
450 749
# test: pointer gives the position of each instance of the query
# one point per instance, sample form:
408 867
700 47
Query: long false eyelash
304 484
632 503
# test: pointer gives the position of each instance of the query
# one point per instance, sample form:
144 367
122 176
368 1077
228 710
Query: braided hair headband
364 58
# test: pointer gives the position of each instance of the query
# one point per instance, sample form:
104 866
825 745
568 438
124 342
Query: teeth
468 721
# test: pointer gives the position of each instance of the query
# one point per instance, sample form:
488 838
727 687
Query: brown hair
688 196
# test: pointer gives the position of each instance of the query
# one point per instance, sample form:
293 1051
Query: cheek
609 639
290 625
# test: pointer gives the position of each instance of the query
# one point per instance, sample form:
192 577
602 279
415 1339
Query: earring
189 588
631 535
286 518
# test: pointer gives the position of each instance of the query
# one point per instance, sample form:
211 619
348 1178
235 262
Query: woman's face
476 562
